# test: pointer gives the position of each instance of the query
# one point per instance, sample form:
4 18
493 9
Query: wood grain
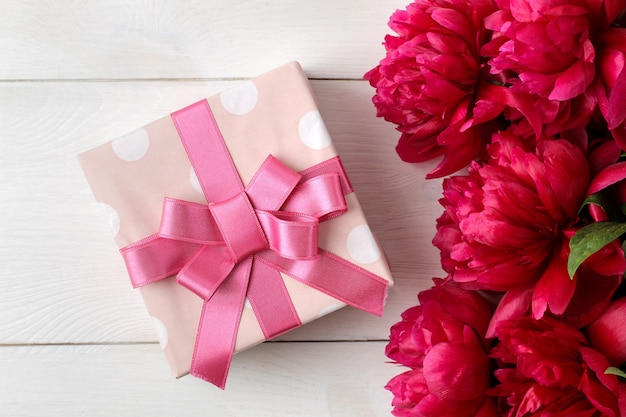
75 339
270 380
68 283
119 39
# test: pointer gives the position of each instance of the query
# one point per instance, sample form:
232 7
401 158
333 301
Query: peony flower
412 399
502 220
607 333
407 344
442 341
547 46
431 79
548 368
507 226
568 52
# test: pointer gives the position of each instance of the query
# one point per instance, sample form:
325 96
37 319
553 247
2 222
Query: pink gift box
266 134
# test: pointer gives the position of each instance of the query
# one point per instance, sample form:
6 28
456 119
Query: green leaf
590 239
612 370
598 199
615 212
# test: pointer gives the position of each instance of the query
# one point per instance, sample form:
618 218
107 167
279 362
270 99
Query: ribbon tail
219 324
270 301
336 277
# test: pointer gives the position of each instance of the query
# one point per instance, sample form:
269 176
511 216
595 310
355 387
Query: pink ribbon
237 246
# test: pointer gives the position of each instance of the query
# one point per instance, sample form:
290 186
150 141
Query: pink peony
548 369
567 52
503 220
429 81
546 47
442 341
507 225
411 398
407 344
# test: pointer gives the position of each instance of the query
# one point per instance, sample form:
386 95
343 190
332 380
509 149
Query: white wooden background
74 337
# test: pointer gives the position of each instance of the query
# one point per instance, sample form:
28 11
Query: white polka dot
133 146
362 246
161 331
112 218
241 99
329 309
312 131
193 179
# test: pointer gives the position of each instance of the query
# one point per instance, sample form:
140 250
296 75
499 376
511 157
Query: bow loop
292 235
272 184
188 222
320 196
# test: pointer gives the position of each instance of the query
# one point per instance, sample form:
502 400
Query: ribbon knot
239 226
238 246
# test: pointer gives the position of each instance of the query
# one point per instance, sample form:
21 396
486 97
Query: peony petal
462 148
612 8
617 102
598 364
487 409
621 389
522 11
573 81
524 103
611 61
406 344
619 134
408 389
437 86
603 155
607 177
608 333
514 304
539 397
567 171
410 151
555 289
592 295
433 406
454 21
598 394
597 213
456 372
466 306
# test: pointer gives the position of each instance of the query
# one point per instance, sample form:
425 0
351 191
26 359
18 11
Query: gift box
236 221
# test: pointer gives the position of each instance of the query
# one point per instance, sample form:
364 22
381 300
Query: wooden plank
270 380
121 39
66 281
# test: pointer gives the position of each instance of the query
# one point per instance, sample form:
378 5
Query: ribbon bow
238 246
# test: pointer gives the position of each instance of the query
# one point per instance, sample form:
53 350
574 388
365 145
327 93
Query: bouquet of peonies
530 96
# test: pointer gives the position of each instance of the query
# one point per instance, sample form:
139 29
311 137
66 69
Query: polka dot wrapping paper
274 114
